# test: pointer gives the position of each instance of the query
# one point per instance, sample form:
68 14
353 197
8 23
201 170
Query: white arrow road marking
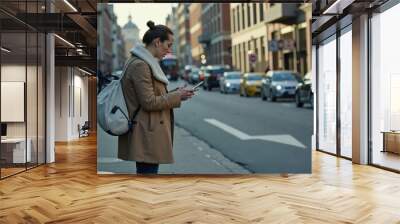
283 139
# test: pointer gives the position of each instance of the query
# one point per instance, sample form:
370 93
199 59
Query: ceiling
76 25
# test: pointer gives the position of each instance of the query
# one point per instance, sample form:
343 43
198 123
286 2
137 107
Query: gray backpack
112 112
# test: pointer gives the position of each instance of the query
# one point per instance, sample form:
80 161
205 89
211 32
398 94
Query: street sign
252 57
283 44
273 45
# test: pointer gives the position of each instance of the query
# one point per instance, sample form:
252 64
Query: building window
262 49
219 25
243 24
261 12
239 53
244 56
248 15
238 56
233 20
233 56
256 49
254 13
237 18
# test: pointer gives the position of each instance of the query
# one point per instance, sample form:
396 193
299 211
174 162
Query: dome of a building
130 24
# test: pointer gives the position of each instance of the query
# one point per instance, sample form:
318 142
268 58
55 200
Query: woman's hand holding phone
185 93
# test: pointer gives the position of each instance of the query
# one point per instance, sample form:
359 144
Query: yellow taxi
250 84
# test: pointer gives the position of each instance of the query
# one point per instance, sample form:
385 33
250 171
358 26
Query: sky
141 13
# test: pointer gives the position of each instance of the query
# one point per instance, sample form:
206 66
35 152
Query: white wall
71 87
61 105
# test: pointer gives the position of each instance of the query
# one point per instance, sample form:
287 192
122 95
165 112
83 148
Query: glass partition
346 93
22 88
13 88
31 98
327 95
385 89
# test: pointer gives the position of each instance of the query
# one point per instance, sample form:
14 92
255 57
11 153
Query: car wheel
312 100
263 97
298 101
273 98
245 93
240 92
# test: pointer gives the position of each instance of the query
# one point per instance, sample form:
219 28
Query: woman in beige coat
145 90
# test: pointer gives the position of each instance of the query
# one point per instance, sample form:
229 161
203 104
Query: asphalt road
260 136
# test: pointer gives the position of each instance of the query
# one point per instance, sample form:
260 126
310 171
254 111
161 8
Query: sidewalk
192 156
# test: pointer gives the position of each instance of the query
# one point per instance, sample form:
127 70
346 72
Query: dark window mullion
0 94
26 87
37 91
338 98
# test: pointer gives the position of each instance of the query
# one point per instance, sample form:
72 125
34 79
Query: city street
263 137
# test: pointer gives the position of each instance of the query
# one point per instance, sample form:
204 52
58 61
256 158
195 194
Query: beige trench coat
152 137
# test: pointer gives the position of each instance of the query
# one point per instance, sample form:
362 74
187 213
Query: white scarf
141 52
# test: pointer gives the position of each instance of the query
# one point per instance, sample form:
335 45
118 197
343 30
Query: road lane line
227 128
282 139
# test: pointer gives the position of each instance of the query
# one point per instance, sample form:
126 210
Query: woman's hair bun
150 24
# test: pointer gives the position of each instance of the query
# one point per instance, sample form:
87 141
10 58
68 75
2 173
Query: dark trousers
146 168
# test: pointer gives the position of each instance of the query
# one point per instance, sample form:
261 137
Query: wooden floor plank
70 191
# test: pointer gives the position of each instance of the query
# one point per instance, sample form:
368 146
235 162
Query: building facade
119 52
185 55
288 39
105 50
216 33
195 11
249 36
118 44
172 23
272 36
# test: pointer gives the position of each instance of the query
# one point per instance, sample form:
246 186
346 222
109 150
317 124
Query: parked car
250 84
194 76
212 75
279 84
230 82
304 92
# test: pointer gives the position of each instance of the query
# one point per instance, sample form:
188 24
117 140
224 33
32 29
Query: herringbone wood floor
70 191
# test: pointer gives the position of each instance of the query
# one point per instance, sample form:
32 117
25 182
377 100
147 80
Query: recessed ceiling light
5 49
64 40
70 5
86 72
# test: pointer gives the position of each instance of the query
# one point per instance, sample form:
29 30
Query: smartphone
197 86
